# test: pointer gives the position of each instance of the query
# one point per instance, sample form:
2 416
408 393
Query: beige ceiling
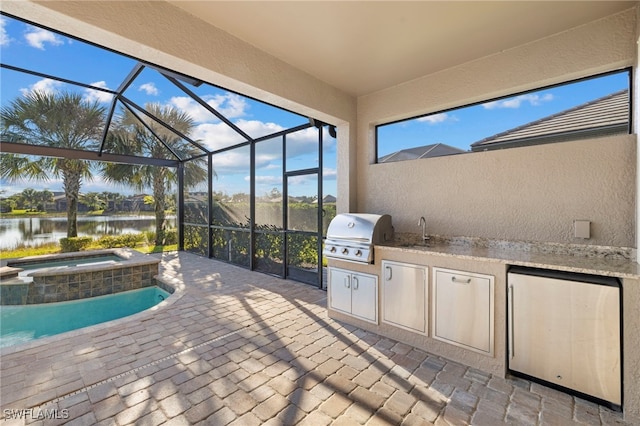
362 47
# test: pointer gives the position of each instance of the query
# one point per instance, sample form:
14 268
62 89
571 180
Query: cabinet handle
511 332
347 284
457 280
355 283
389 273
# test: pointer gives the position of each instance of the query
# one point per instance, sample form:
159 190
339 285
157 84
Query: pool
20 324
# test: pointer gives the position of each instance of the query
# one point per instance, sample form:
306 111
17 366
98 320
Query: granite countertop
597 260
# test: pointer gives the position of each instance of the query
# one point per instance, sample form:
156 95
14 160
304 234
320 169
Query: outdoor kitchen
452 297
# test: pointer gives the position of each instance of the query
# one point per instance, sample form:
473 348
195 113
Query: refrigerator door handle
511 324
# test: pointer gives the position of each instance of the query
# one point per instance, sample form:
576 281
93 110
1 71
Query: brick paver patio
243 348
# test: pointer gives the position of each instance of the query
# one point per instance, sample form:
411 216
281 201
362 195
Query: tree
61 120
113 200
93 200
42 198
30 200
132 137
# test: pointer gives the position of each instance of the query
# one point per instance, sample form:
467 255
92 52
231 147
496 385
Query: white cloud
516 102
230 105
329 174
37 37
303 142
4 37
434 118
216 135
266 180
46 85
255 128
230 162
97 95
219 135
196 111
149 89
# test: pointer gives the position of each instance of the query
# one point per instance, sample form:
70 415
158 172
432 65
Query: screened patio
247 175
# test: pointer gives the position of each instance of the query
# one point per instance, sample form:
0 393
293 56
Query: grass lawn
55 248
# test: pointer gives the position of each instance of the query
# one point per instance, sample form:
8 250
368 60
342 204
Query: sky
29 47
461 127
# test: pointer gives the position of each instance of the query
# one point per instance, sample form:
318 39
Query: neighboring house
60 203
326 199
425 151
195 197
52 206
129 204
605 116
136 203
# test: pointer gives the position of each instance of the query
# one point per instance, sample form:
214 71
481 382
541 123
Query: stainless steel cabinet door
463 309
354 293
364 296
340 290
404 295
566 332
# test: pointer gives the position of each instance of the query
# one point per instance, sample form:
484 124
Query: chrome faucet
422 222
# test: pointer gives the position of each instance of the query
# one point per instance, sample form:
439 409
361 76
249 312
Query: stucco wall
531 193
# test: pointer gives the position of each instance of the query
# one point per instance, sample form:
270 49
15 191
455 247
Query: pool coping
129 257
178 291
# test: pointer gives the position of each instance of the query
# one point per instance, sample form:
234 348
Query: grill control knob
345 251
332 249
358 253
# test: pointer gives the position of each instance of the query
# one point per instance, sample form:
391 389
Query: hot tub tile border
136 271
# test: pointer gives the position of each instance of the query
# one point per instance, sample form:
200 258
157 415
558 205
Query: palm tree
30 198
43 197
132 137
61 120
93 200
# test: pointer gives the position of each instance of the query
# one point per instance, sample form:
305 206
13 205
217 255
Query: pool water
19 324
77 261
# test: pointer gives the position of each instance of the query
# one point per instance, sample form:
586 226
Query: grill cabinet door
364 296
463 309
404 295
340 290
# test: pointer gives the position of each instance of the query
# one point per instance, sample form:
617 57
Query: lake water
37 231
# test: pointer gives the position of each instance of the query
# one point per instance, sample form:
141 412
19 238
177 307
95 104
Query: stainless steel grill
351 236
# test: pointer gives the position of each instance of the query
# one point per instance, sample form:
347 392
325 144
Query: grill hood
351 236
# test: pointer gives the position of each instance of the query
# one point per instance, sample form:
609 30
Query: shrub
170 236
124 240
74 243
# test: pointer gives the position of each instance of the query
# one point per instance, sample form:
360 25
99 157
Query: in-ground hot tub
72 276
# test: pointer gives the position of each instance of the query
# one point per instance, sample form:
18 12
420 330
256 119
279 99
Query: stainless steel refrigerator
565 329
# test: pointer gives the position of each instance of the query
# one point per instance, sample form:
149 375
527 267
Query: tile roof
606 115
425 151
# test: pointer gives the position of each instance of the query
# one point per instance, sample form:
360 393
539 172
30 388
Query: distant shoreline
46 215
